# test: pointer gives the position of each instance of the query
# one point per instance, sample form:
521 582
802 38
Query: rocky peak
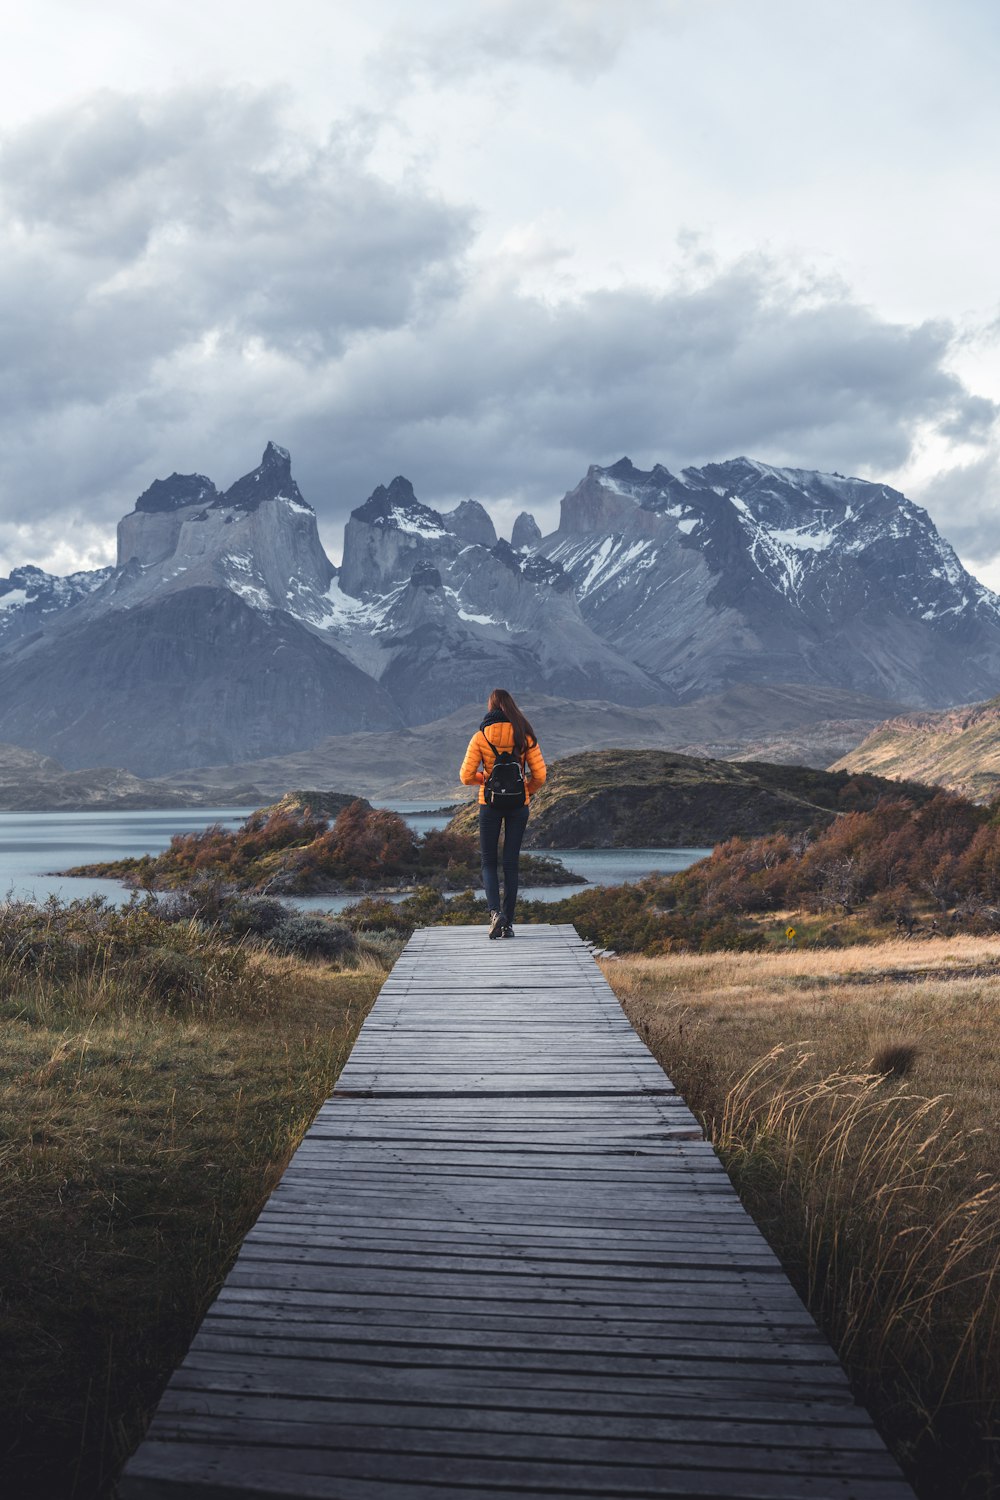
176 492
526 533
387 536
471 523
259 541
396 507
271 480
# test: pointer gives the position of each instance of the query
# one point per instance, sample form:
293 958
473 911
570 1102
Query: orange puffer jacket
480 755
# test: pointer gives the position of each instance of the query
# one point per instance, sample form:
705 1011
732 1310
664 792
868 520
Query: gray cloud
966 500
516 397
186 276
139 228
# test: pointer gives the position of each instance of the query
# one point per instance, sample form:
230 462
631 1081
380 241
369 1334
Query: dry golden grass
150 1096
853 1094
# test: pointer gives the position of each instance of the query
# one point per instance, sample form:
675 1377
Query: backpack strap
513 751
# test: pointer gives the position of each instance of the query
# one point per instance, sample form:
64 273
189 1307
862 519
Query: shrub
204 901
312 936
253 916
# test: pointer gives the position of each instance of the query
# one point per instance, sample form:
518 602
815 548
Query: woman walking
504 759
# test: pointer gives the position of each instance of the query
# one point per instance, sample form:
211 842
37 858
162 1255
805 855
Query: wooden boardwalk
504 1260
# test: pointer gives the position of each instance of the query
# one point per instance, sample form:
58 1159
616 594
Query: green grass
153 1083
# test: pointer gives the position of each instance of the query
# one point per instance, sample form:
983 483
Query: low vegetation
853 1096
926 867
295 848
161 1062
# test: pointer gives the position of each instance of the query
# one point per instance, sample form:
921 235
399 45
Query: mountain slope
30 599
198 676
959 749
435 616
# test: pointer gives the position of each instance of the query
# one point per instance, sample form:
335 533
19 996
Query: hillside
656 799
801 725
30 782
958 749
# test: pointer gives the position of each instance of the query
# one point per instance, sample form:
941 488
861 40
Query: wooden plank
504 1258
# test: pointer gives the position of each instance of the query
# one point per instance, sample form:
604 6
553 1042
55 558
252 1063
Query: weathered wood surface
504 1259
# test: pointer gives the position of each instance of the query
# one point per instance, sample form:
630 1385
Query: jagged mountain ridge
432 615
742 570
655 589
30 597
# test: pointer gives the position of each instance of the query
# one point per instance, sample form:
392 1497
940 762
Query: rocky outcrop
175 493
471 523
526 533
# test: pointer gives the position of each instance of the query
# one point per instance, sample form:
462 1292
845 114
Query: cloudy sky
485 243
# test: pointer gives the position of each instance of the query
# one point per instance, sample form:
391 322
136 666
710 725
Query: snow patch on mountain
31 598
407 520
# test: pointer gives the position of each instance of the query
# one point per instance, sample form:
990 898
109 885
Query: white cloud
580 37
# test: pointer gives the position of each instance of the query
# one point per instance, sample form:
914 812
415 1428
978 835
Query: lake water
34 845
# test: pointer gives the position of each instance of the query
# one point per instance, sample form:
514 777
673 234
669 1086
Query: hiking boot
496 924
508 930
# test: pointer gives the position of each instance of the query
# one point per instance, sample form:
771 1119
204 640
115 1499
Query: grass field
854 1096
153 1083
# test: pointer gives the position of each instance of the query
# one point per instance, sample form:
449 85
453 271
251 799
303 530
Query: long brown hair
502 703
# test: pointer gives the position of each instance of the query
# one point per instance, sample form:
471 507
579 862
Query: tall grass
879 1193
864 1186
155 1077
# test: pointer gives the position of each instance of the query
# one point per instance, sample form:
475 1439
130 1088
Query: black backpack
504 786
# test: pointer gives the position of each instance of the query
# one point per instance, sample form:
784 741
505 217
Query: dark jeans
514 823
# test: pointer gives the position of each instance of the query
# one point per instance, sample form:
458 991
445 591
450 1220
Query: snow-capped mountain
200 641
29 598
224 632
742 571
432 605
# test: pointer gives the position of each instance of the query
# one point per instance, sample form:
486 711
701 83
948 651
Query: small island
319 844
